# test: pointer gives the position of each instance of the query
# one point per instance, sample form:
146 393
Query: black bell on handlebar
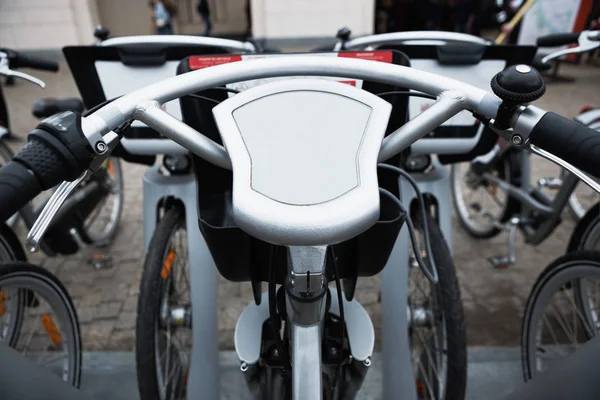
101 33
516 85
344 34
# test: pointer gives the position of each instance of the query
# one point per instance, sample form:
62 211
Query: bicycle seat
46 107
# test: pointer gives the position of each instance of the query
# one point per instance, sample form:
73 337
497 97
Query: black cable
273 311
225 89
422 210
99 106
342 319
407 93
431 275
197 96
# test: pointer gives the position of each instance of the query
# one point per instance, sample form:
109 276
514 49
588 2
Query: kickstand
503 262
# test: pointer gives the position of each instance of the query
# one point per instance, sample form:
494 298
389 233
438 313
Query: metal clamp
515 139
307 268
588 40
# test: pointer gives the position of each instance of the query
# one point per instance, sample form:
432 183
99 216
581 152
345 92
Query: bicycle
457 56
303 215
38 319
556 321
80 222
506 170
344 42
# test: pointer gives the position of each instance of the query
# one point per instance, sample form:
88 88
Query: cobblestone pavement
493 299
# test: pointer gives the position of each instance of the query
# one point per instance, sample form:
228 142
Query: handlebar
569 140
183 40
420 37
17 60
81 140
557 39
11 59
36 63
586 40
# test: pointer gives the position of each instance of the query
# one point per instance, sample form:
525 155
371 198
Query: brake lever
6 71
588 40
56 201
64 190
559 161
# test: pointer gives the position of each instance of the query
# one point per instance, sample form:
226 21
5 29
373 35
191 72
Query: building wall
311 18
52 24
45 24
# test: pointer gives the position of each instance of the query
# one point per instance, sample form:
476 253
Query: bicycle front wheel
11 313
164 330
48 331
101 226
6 154
437 327
554 324
481 206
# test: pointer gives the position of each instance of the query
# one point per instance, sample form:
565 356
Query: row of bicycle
164 311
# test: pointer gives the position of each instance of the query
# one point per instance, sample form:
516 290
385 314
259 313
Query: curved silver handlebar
180 40
588 41
140 103
414 36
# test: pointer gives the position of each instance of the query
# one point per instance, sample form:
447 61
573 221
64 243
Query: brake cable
430 272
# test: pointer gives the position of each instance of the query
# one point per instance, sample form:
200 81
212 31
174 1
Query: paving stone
126 321
98 334
121 341
108 310
130 304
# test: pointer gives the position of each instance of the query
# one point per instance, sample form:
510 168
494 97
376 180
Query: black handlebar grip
570 140
36 63
45 163
18 186
558 39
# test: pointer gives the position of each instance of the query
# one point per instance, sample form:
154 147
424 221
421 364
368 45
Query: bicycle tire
452 309
11 250
576 209
35 279
107 235
586 235
556 276
149 307
6 154
512 170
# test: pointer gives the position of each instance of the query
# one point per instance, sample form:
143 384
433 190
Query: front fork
306 288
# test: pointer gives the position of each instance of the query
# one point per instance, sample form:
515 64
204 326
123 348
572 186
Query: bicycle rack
203 276
398 374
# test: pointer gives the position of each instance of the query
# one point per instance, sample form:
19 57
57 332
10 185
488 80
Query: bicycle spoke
560 319
429 357
36 324
51 360
583 320
425 377
91 219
